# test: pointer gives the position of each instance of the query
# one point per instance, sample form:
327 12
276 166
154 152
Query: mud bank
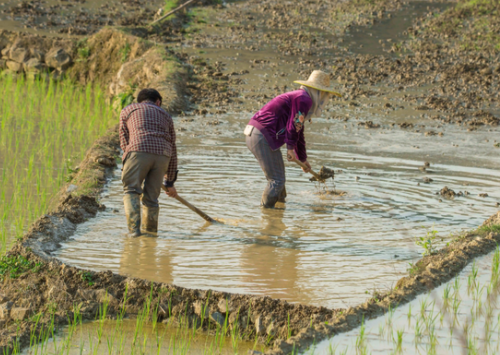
113 58
34 282
44 285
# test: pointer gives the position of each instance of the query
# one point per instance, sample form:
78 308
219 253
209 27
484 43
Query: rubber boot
132 204
150 219
282 197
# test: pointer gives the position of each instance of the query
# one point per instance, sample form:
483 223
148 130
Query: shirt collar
153 105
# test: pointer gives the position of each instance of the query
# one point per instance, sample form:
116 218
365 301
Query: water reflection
144 256
273 270
316 249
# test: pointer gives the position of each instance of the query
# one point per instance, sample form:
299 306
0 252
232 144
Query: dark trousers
271 162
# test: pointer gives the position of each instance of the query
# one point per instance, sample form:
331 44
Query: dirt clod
447 193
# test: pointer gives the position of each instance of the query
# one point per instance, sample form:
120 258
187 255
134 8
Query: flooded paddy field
136 337
316 249
459 317
413 142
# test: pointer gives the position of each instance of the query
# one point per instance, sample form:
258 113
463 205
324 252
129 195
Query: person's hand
290 155
306 163
171 192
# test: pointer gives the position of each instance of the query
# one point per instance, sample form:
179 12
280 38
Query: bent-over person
147 138
280 122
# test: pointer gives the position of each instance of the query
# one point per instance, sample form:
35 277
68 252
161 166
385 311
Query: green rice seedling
418 332
361 339
450 345
235 332
456 287
381 330
44 127
332 350
456 305
472 345
409 314
446 296
390 316
423 307
399 340
495 271
431 348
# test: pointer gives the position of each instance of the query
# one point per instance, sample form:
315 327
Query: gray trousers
143 175
271 162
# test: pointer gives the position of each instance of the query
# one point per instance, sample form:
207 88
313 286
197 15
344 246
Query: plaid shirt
145 127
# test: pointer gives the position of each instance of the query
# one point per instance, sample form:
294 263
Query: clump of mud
324 174
449 193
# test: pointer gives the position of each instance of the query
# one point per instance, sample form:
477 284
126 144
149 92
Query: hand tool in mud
324 172
192 208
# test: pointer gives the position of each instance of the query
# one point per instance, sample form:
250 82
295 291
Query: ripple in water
317 249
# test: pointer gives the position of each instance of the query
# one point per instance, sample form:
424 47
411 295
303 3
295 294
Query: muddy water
317 249
452 319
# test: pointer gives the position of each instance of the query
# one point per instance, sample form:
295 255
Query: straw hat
319 80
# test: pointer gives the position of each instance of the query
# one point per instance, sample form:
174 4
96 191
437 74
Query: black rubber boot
150 219
132 204
282 197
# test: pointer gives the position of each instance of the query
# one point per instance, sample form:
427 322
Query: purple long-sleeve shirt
276 121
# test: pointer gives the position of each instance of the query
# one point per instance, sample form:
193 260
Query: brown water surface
315 249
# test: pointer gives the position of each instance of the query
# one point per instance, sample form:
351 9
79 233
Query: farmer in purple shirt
281 121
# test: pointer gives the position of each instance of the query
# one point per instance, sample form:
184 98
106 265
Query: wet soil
244 54
75 17
241 54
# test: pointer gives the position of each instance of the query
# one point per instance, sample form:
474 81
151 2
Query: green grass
495 228
45 130
170 5
14 266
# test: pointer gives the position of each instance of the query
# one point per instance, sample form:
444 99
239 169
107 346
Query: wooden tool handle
191 207
173 11
304 166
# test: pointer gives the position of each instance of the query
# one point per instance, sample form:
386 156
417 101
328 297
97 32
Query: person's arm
124 133
300 149
171 175
295 142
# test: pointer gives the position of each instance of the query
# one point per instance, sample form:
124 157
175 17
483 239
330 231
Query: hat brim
320 88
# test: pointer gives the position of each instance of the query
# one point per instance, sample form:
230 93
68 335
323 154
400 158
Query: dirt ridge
54 282
252 316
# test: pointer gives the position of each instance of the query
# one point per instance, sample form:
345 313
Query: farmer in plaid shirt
147 138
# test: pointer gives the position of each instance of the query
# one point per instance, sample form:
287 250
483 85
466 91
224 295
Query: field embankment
34 283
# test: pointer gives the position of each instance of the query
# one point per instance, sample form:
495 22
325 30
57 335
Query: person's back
147 138
149 129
